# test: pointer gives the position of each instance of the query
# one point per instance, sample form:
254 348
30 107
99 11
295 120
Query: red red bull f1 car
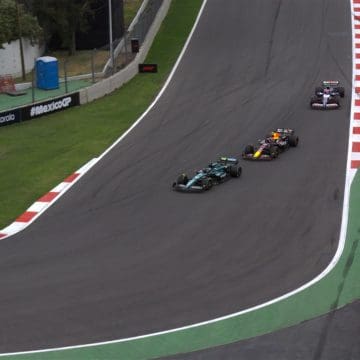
269 148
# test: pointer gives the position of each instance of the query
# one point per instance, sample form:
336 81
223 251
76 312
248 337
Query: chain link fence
137 31
96 64
90 66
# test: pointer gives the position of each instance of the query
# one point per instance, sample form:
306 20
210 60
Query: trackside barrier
40 108
115 81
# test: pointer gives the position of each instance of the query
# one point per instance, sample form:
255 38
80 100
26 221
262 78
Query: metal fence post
65 76
125 46
93 65
111 44
33 82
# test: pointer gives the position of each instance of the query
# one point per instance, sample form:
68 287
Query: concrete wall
10 62
115 81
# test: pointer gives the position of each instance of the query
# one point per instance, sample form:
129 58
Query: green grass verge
36 155
130 9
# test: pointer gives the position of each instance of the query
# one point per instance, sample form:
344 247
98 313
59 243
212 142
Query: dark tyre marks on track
272 35
121 254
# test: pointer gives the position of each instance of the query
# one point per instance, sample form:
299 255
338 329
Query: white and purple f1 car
327 96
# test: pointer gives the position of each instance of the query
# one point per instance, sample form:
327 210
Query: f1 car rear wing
228 160
331 83
285 131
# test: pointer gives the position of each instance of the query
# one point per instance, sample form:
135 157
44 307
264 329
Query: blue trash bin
47 73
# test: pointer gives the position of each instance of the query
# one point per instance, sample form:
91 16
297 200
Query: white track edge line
349 177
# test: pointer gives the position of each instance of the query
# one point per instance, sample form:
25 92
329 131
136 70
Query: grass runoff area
37 155
130 9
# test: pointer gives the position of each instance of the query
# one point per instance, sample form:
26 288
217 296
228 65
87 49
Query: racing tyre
249 150
335 100
206 184
293 140
274 152
318 90
182 179
341 91
235 171
313 101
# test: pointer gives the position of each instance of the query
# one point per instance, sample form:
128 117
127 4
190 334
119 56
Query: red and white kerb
355 127
44 202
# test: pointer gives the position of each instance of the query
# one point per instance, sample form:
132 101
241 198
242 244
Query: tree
63 18
7 20
15 22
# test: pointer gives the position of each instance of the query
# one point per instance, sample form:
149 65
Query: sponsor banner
148 68
50 106
10 117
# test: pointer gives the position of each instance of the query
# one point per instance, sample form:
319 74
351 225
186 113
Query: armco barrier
115 81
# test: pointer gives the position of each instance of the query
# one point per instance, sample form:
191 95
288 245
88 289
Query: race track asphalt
121 254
